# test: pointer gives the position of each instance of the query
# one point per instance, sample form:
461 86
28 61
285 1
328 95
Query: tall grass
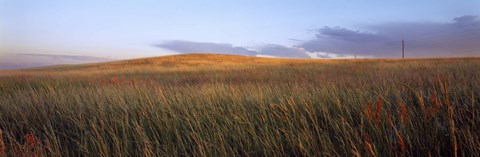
371 108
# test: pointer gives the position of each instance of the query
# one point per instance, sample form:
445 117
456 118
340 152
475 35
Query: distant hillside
203 60
191 60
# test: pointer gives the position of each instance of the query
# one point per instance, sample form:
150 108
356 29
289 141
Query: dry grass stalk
451 118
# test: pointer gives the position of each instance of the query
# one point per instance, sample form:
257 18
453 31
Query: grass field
226 105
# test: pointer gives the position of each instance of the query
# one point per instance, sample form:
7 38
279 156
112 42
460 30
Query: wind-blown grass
273 108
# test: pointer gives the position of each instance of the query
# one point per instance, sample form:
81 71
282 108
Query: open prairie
228 105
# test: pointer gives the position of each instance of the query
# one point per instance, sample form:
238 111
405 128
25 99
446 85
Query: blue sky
123 29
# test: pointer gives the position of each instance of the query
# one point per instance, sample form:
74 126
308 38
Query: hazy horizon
38 33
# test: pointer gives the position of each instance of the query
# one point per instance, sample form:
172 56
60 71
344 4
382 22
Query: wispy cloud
15 61
81 58
4 66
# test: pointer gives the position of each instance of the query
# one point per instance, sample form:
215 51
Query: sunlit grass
198 105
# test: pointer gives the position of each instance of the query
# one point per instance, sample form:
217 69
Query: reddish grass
378 111
368 111
30 138
403 113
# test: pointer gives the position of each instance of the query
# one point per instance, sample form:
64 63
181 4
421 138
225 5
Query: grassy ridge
221 105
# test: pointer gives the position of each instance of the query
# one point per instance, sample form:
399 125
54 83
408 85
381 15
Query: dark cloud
268 49
466 20
295 40
344 34
457 38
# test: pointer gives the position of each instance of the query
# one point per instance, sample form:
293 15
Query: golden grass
227 105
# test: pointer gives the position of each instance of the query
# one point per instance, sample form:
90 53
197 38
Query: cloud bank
190 46
457 38
266 50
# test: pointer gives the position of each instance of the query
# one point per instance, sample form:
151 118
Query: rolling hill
191 61
230 105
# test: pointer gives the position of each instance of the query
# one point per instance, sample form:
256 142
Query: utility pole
355 56
403 49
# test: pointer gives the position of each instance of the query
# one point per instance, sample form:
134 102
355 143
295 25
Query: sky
38 33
